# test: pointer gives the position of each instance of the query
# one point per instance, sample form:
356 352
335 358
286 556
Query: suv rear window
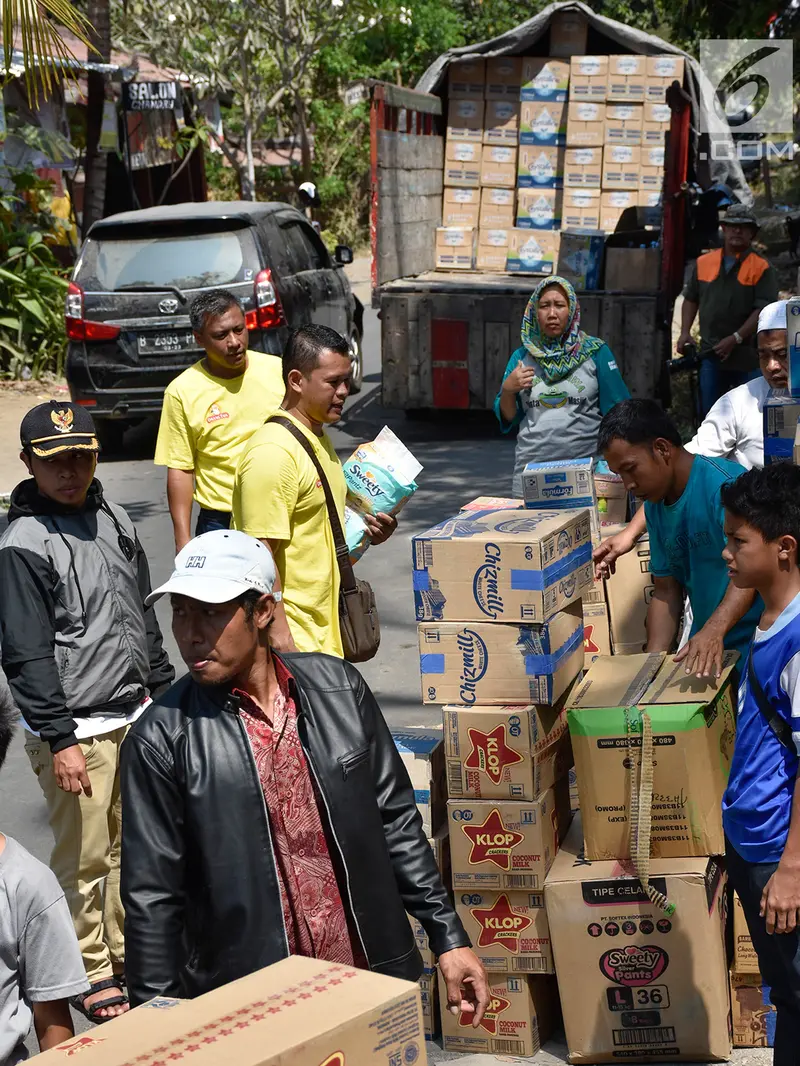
225 258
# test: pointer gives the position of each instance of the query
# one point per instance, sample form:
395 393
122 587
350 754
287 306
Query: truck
446 336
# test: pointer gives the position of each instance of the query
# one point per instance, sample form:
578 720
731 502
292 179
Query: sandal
93 1013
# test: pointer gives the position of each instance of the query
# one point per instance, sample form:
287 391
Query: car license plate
173 341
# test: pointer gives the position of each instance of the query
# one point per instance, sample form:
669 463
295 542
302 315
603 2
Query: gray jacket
76 637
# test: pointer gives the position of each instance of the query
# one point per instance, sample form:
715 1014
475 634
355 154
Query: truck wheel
356 361
110 433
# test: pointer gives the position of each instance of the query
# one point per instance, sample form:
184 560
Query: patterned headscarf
557 356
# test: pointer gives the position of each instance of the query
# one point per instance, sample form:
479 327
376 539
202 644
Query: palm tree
37 24
96 162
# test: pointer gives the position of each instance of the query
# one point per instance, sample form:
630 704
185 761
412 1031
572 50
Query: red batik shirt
313 913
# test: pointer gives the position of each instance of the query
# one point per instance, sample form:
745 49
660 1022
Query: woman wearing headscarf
558 384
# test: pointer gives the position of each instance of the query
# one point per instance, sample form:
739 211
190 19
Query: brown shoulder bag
358 613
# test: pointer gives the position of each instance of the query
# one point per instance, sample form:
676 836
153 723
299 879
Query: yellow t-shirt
206 422
278 497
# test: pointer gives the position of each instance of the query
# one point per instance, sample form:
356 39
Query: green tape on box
610 721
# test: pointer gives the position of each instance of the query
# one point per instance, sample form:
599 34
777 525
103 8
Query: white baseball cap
773 316
219 566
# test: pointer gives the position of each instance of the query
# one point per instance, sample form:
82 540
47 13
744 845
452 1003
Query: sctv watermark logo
748 87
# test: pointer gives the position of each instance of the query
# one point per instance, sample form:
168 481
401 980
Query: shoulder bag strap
779 726
348 578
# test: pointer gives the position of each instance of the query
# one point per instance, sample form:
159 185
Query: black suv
127 309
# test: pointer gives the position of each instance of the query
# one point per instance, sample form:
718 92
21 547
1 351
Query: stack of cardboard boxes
652 963
497 595
545 144
752 1014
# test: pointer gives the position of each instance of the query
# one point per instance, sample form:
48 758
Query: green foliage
32 284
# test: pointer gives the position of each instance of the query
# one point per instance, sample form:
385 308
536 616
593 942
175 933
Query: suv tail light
78 328
268 311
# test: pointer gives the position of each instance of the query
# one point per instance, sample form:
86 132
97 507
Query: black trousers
208 520
778 955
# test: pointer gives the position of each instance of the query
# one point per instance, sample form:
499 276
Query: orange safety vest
750 268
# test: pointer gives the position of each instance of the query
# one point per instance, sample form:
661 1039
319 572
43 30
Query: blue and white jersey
757 804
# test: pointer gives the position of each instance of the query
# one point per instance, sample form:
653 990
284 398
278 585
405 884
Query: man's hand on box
702 656
380 526
467 983
780 900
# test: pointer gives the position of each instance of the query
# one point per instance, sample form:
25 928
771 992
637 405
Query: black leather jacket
199 885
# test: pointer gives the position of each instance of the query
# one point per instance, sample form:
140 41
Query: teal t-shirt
686 542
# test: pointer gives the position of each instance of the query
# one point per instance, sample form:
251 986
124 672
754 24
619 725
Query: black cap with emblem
53 427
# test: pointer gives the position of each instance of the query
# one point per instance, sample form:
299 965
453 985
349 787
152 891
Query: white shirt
734 427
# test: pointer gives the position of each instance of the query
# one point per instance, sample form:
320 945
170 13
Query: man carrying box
761 806
684 518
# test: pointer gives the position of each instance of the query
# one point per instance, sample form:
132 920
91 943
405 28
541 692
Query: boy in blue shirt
684 515
761 806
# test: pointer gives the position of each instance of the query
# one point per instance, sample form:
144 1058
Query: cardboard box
745 959
462 164
660 73
466 78
532 252
465 120
503 77
429 995
652 155
574 801
422 754
780 415
341 1015
486 663
624 123
497 209
460 208
657 119
586 123
568 33
633 269
649 197
793 339
522 1014
581 257
509 566
544 78
455 248
559 485
693 724
501 122
596 633
499 166
643 986
621 167
502 753
612 499
509 844
492 503
588 77
543 122
508 930
540 166
493 250
581 210
612 204
752 1013
629 591
583 168
423 944
539 209
651 179
627 76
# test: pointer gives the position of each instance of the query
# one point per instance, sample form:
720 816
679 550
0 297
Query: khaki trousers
86 854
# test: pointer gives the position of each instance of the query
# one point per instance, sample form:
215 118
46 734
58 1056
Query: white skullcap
773 316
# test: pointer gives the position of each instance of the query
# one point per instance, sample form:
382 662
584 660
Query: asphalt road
463 456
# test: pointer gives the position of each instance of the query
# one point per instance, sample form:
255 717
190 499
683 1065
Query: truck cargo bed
470 281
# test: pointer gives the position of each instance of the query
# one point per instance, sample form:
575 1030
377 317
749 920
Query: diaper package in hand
380 478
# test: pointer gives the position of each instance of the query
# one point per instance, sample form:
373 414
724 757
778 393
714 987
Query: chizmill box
504 752
688 750
639 984
507 844
502 565
300 1011
521 1016
752 1013
745 959
508 930
487 662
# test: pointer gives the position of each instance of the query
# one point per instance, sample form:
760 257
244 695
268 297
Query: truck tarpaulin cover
522 38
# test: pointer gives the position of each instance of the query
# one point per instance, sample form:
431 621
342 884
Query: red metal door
450 355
